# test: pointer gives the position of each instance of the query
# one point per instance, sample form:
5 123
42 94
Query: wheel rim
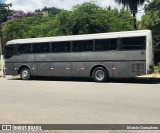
100 75
25 74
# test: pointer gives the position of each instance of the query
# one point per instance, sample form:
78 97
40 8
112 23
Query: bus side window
82 46
40 47
60 46
105 44
9 51
88 45
134 43
24 48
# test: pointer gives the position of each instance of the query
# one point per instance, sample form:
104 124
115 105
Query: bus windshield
9 51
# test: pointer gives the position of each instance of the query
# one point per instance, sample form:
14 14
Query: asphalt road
79 101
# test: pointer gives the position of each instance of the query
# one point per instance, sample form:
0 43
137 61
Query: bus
100 56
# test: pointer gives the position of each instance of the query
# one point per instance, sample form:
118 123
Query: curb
150 76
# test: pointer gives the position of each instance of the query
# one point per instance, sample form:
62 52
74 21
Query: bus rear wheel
100 74
25 74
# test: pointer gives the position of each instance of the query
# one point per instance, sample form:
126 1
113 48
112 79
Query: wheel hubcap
25 74
100 75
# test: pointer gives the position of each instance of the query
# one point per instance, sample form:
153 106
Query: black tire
25 74
100 74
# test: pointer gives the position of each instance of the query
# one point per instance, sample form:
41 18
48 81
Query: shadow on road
137 80
67 79
75 79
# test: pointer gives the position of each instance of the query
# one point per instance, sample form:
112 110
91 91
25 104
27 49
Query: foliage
151 20
86 18
90 18
3 13
156 69
133 6
28 27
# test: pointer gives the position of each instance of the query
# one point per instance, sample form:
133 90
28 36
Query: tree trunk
135 21
1 55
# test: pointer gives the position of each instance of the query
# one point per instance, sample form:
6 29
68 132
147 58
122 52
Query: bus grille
138 68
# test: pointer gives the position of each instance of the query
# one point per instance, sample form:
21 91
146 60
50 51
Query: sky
32 5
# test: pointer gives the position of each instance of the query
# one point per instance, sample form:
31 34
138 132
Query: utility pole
2 8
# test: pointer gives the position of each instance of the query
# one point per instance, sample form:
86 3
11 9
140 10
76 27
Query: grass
156 69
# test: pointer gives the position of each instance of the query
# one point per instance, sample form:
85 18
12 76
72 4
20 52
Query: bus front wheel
100 74
25 74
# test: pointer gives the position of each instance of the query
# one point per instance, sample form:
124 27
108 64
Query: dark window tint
80 46
105 44
60 46
24 48
40 48
133 43
9 51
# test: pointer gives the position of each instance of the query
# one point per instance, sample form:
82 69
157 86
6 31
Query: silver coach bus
100 56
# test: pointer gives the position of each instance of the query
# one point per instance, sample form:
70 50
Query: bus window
9 51
40 48
105 44
24 48
60 46
133 43
80 46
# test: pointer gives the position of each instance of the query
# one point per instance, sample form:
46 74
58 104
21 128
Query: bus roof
81 37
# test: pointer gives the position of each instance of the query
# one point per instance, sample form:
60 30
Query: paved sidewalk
1 75
154 75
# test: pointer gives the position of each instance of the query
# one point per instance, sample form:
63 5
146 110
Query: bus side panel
79 69
120 69
9 69
60 69
137 68
43 69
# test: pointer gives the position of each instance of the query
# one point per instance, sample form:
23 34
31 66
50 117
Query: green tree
86 18
133 6
89 18
32 26
3 13
64 23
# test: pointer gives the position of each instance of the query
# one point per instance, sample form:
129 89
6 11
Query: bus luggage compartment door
61 69
43 69
79 69
120 69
